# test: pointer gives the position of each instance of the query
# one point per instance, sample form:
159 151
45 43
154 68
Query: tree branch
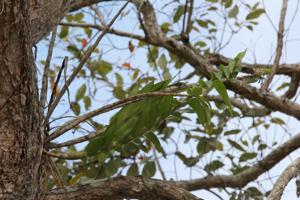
123 187
243 178
280 35
289 173
75 141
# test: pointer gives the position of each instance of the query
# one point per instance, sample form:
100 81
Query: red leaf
83 43
126 65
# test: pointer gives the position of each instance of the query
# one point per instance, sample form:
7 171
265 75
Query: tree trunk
20 137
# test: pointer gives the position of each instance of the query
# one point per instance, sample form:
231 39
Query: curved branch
289 173
204 68
280 35
75 141
243 178
123 187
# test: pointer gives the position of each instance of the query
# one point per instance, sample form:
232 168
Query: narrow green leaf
178 13
80 92
221 89
233 12
235 145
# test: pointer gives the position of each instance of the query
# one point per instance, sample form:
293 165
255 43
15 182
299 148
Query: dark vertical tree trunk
20 137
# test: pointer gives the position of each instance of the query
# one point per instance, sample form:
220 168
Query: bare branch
289 173
243 178
280 35
43 93
123 187
215 59
75 141
294 84
101 28
244 108
67 155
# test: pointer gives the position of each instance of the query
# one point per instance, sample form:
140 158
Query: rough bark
20 140
124 187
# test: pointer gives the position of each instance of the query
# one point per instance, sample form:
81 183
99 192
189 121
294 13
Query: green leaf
76 178
101 157
103 67
64 32
202 23
165 27
80 92
119 93
221 89
232 132
233 12
247 156
228 3
133 170
190 162
87 102
255 14
78 17
119 80
69 18
75 108
236 145
95 145
200 44
277 120
213 166
113 166
149 169
178 13
162 61
199 108
155 141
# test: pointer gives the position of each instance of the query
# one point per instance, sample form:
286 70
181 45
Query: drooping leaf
233 12
149 169
221 89
133 170
178 13
80 92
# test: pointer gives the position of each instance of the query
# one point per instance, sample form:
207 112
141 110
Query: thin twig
82 62
43 95
280 35
161 171
75 141
189 24
54 89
